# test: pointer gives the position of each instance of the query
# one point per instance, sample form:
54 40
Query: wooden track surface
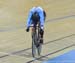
15 42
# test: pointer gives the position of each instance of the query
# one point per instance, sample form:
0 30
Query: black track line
13 53
51 53
45 43
50 20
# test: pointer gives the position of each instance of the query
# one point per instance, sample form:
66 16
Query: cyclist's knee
41 32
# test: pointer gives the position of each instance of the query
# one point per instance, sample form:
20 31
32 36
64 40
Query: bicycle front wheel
33 48
34 44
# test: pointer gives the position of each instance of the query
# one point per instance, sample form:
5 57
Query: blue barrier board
65 58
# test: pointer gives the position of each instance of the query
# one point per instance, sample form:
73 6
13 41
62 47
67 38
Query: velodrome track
15 42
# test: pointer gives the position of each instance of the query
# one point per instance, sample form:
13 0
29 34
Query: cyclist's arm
29 19
44 13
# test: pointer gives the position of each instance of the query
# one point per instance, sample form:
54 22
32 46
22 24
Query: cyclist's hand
41 29
27 30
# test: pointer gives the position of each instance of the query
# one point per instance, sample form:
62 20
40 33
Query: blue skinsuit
40 11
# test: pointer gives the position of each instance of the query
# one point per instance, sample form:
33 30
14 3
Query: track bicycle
36 45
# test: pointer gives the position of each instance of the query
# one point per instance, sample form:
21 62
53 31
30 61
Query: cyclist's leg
41 35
